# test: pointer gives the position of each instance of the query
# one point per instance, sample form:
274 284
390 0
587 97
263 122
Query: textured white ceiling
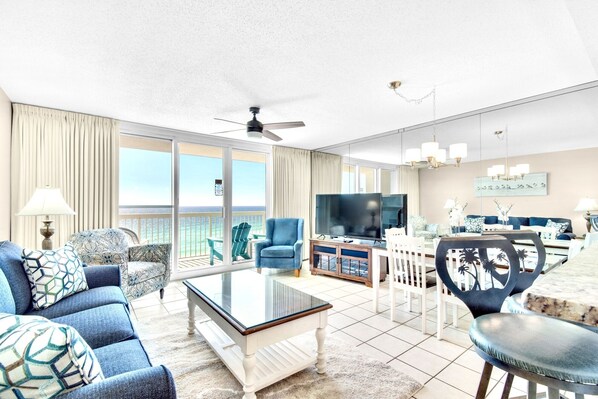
179 63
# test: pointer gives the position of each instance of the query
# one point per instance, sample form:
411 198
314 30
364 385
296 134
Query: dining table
380 254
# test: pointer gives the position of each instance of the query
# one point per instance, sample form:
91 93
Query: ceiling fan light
254 134
492 172
429 149
413 155
499 169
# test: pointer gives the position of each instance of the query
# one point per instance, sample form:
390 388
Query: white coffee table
250 320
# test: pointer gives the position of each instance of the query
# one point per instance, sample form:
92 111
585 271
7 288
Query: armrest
151 253
102 275
297 246
152 382
262 244
104 258
566 236
212 240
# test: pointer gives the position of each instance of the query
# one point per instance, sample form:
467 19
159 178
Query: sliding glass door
197 197
200 207
248 200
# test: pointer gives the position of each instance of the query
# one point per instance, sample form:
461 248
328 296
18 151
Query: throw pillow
53 274
474 225
42 359
560 228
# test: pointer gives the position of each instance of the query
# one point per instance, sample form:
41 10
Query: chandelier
504 171
430 154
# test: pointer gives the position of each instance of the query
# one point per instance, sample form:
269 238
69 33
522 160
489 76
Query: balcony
154 225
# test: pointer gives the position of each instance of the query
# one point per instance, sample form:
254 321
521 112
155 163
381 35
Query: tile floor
448 369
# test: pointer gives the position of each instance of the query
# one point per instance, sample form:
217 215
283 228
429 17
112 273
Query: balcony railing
194 228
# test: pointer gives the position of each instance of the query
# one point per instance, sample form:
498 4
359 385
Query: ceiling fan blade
283 125
227 131
226 120
269 135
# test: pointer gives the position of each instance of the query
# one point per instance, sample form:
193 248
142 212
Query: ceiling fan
257 129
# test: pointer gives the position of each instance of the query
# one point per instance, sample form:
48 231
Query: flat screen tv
349 215
394 211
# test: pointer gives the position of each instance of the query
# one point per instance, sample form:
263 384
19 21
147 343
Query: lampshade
441 155
449 204
523 168
586 204
430 149
499 169
514 171
413 155
458 150
46 201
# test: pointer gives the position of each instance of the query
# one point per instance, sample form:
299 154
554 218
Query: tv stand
343 260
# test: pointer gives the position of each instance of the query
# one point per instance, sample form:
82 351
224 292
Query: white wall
5 127
570 177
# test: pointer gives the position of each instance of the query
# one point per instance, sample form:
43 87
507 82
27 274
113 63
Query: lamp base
586 216
47 231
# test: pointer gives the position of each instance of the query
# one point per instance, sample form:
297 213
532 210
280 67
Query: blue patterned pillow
42 359
474 225
560 228
53 275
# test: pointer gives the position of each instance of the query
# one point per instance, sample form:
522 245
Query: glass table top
251 300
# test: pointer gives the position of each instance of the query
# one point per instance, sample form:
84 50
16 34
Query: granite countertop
569 292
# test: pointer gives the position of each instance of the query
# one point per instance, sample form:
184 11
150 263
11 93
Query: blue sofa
519 223
101 316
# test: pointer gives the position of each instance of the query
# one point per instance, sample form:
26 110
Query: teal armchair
281 249
239 244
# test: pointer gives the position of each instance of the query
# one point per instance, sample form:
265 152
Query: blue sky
145 179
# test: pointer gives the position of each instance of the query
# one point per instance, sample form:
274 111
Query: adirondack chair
239 247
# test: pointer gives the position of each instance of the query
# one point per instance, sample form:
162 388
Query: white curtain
409 184
326 178
291 174
74 152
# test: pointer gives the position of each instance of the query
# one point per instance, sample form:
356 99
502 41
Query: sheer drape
74 152
291 174
409 184
326 178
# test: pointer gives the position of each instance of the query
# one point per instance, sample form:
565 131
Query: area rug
199 373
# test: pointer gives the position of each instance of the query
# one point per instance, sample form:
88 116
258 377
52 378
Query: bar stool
540 349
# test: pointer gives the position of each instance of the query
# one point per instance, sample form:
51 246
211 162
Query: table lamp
45 202
586 205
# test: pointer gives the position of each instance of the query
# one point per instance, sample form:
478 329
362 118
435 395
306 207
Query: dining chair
407 264
540 349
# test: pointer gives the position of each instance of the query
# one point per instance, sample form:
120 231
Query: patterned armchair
143 268
417 227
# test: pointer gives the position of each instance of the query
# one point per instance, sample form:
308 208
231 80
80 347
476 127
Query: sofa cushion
122 357
518 221
7 302
84 300
278 251
541 221
41 359
11 264
487 219
101 326
474 225
53 275
142 271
